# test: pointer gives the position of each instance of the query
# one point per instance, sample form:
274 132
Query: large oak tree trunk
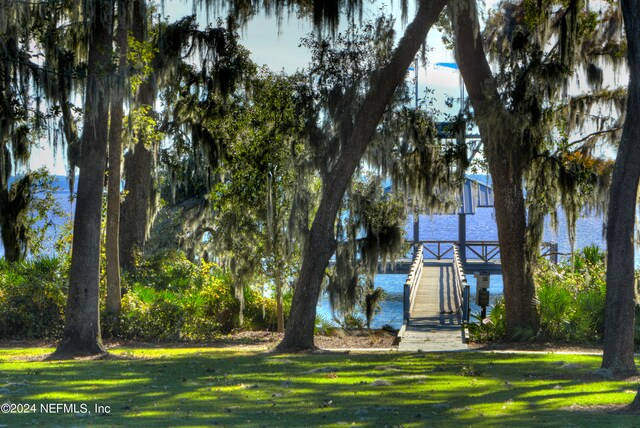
501 149
138 207
14 201
621 288
10 242
81 334
517 274
320 244
112 250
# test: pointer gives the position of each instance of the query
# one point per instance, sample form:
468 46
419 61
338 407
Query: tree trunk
279 303
13 203
501 146
519 287
138 206
112 251
8 220
621 292
81 334
635 404
12 252
320 244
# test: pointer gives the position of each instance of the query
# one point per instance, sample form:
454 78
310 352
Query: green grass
197 387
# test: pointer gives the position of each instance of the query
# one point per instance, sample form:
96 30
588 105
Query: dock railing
483 250
411 284
486 251
462 289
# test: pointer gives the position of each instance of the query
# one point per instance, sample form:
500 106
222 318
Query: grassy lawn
226 387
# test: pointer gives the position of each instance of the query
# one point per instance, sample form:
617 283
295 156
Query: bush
171 298
261 312
167 298
572 298
493 327
571 302
32 298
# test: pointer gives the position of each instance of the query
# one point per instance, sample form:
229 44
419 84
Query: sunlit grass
231 387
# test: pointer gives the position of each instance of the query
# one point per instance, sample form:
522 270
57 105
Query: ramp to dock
435 322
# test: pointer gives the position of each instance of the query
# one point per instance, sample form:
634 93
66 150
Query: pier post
462 236
416 231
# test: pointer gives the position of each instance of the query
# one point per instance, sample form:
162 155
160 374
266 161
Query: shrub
572 298
555 305
171 298
493 327
323 325
167 298
32 298
570 301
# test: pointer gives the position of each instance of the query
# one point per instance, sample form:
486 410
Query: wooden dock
435 322
436 293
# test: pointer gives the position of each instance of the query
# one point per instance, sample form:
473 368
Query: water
390 312
67 206
480 227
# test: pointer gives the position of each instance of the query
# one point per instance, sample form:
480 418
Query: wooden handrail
462 288
411 284
489 250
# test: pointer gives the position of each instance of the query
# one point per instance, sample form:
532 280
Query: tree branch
593 134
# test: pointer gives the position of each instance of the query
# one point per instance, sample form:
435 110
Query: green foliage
493 327
323 325
260 311
572 298
171 298
571 302
352 322
555 307
43 208
140 56
167 298
32 298
144 127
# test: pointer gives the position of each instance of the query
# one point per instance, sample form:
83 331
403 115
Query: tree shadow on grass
232 388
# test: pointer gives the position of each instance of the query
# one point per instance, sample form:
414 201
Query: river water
480 226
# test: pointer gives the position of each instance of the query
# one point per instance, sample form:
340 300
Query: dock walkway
435 317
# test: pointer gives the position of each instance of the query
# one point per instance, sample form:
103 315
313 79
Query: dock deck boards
434 324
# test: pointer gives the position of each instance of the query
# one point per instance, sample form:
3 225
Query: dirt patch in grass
561 348
247 340
609 409
259 340
26 343
361 339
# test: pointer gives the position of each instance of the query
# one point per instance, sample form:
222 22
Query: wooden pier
436 295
